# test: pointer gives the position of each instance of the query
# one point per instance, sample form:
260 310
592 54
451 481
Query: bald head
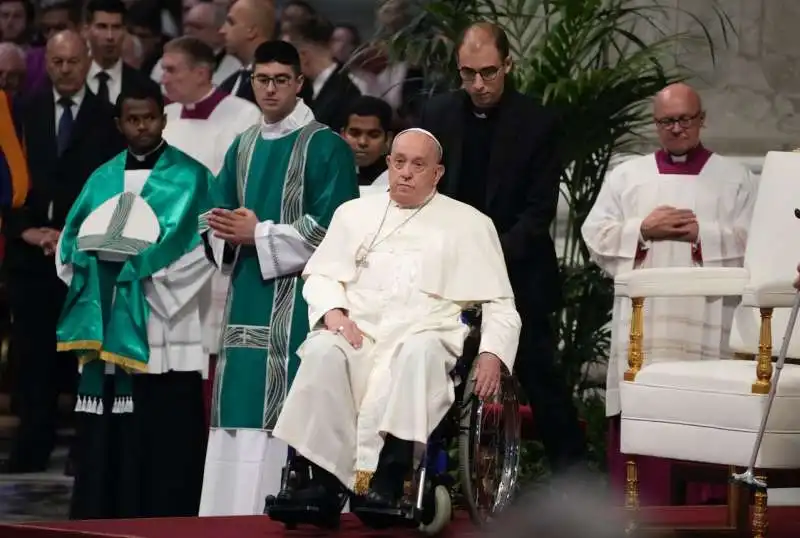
679 116
678 93
483 62
12 67
67 57
262 13
482 35
249 23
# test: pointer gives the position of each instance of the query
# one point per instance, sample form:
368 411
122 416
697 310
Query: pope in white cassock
203 121
679 207
386 289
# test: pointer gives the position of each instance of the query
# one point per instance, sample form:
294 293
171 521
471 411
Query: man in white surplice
679 207
386 289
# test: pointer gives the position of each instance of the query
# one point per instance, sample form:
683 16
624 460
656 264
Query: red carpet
784 523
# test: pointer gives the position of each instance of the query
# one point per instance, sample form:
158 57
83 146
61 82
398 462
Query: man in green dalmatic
280 184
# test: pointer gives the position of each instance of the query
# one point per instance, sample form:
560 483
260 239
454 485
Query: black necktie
102 86
244 80
65 124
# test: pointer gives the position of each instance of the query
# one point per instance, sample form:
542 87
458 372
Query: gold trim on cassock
94 345
123 362
361 482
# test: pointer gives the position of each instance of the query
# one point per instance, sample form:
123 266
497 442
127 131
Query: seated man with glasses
280 183
385 290
678 207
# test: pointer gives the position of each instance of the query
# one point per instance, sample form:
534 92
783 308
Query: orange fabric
14 154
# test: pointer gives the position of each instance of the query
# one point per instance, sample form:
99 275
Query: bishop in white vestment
386 290
679 207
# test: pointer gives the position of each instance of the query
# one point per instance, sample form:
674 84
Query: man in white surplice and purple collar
279 186
681 206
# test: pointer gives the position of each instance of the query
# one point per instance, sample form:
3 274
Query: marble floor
38 496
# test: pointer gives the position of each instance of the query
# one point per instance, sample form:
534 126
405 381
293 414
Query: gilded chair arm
681 282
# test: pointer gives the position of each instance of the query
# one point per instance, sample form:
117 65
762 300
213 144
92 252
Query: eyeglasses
280 81
487 73
683 121
417 167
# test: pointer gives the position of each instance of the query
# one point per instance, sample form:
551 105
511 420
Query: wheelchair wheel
489 449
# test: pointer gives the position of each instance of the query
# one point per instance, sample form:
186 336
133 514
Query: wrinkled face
182 78
483 72
141 123
237 30
678 122
414 169
276 87
12 21
367 138
67 65
12 71
199 23
53 21
343 43
106 33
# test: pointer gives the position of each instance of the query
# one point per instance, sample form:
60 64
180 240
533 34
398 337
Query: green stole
105 315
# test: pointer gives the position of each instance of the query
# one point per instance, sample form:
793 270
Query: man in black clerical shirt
369 132
501 155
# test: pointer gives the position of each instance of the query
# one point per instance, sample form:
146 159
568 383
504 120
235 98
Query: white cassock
216 121
721 194
423 270
174 330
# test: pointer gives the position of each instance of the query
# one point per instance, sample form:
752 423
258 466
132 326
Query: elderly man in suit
501 157
68 132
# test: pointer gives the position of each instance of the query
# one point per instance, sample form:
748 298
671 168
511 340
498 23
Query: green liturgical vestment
105 314
297 180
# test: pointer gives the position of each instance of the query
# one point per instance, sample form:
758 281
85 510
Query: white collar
190 106
77 98
114 72
322 78
299 118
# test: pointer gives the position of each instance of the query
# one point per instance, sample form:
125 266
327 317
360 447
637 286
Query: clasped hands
488 368
668 223
237 227
44 238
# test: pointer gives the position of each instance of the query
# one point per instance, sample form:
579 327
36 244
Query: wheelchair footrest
293 515
384 518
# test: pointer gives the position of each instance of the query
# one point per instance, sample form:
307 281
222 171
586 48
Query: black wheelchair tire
470 412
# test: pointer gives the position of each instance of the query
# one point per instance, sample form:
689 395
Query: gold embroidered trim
124 362
94 345
361 483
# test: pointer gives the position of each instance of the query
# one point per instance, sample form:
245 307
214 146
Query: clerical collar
689 164
202 109
368 174
145 161
299 118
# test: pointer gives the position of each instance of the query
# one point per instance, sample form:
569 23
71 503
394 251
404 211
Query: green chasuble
299 179
105 314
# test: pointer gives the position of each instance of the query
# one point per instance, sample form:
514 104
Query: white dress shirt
114 79
77 99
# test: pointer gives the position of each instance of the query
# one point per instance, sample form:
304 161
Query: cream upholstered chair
710 411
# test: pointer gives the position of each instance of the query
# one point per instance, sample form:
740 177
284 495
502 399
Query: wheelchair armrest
682 282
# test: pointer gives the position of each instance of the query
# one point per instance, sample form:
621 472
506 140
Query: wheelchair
487 435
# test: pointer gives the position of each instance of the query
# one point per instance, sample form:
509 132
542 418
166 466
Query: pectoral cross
361 257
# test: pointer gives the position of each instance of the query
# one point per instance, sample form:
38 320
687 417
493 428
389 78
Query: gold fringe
361 483
93 345
124 362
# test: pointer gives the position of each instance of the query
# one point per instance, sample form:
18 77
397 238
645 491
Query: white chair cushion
704 411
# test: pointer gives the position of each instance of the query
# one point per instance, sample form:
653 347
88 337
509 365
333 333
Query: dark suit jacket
56 180
333 103
133 76
522 188
244 91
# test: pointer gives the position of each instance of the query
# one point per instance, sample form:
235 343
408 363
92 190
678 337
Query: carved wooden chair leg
631 496
760 523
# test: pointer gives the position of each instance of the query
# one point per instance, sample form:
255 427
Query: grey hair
11 48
